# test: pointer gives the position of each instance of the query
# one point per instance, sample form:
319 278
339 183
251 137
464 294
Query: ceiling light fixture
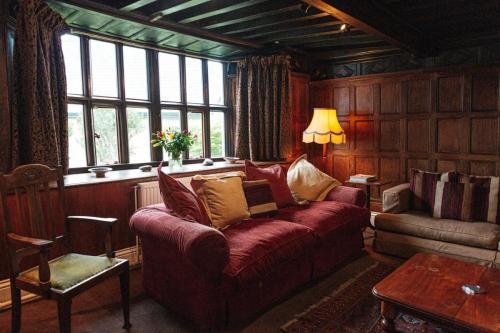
344 27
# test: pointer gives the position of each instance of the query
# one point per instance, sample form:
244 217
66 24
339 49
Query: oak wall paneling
441 119
299 105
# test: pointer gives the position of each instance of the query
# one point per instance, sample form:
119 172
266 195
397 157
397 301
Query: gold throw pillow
223 198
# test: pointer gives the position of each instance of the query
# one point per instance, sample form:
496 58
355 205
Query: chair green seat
71 269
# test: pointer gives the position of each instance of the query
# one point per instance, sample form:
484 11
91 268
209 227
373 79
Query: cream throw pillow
308 182
223 198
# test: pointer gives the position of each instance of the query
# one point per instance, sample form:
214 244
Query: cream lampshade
324 128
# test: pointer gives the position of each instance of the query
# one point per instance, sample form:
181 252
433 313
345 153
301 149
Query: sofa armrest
396 199
345 194
205 248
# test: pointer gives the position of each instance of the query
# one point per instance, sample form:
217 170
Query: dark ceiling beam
338 46
374 19
347 53
213 8
135 5
267 23
298 29
267 13
160 8
163 24
305 35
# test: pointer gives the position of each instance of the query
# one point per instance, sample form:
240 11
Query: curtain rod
125 41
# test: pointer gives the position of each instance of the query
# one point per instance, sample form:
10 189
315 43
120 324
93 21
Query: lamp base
325 154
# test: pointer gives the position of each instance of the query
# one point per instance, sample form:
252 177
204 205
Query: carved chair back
32 189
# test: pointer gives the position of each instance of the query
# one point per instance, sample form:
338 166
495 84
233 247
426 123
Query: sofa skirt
405 246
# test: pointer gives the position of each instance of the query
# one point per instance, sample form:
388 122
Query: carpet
353 309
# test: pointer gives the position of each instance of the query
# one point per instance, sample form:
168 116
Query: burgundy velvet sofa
218 278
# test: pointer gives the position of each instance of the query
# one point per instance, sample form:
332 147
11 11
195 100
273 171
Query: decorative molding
129 253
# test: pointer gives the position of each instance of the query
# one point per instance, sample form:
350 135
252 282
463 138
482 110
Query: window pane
76 136
195 125
139 135
136 76
103 68
105 133
215 83
194 81
170 79
171 119
73 63
217 134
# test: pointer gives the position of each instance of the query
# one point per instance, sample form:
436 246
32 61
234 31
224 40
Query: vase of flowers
174 143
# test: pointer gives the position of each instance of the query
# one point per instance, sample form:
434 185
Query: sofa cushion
423 189
223 198
485 197
276 175
180 201
453 201
478 234
258 246
326 218
259 198
308 182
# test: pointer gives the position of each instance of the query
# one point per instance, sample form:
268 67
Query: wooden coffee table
430 286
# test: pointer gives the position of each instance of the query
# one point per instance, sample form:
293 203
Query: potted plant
174 143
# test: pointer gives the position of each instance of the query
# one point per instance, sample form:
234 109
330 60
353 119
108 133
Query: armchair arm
19 240
106 222
103 221
346 194
182 244
396 199
34 245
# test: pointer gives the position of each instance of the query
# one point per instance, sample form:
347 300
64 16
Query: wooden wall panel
483 131
364 99
364 135
418 131
341 100
449 134
485 92
438 120
389 135
419 95
450 94
390 97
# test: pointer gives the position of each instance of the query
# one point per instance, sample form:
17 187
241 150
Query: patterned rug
353 309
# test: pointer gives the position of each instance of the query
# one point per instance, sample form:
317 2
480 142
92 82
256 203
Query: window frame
154 104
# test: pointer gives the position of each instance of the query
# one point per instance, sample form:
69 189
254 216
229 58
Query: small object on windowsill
361 178
208 162
146 168
472 289
100 172
231 160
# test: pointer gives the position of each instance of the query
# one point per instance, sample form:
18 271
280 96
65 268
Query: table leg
368 196
388 313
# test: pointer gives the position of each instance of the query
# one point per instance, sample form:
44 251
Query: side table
368 186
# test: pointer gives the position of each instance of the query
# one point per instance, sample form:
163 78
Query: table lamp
324 128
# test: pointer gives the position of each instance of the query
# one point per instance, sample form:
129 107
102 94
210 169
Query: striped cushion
259 198
423 188
485 200
453 201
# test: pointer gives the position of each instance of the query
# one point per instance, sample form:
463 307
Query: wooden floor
98 310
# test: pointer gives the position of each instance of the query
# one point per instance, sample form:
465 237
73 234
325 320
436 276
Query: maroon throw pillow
423 189
454 201
276 176
180 201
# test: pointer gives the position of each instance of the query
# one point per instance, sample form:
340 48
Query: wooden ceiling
232 28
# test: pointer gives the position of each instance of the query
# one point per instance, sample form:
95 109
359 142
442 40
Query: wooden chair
38 192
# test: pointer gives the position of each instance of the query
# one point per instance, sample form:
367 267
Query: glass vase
175 160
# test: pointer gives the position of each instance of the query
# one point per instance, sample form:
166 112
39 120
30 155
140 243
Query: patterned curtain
263 116
39 130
